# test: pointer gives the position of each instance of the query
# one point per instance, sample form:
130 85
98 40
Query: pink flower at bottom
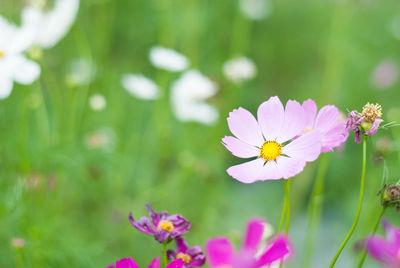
385 251
130 263
276 139
220 252
328 123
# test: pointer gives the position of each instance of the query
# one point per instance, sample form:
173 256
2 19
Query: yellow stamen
1 53
270 150
185 257
371 112
166 226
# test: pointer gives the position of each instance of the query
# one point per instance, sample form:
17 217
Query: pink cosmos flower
385 251
276 139
220 252
328 122
130 263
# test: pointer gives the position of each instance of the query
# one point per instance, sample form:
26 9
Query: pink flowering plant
277 145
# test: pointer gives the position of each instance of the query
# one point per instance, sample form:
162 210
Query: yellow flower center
166 226
270 150
1 53
185 257
371 112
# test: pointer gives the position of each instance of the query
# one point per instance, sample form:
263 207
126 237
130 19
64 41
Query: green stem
165 255
287 197
314 210
378 220
362 186
282 222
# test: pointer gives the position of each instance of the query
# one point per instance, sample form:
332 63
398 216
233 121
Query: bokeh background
70 174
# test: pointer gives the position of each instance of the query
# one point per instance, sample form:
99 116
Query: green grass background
77 215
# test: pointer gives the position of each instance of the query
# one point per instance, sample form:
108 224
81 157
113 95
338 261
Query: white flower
256 9
187 97
80 72
385 74
168 59
52 25
97 102
140 86
14 66
239 69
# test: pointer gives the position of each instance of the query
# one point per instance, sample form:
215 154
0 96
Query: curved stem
360 200
314 210
378 220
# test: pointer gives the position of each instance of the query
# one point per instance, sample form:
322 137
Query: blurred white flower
239 69
385 74
168 59
104 139
140 86
97 102
256 9
187 97
80 72
14 66
52 25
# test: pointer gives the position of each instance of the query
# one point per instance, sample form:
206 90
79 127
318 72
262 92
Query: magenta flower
275 140
385 251
193 257
220 252
327 122
367 122
163 226
130 263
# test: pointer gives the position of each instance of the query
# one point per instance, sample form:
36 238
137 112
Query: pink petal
307 147
175 264
245 127
327 118
270 171
219 252
392 233
293 123
247 172
310 111
382 251
239 148
270 116
126 263
290 167
334 137
155 263
278 249
255 229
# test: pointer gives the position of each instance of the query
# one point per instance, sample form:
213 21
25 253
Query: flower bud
391 195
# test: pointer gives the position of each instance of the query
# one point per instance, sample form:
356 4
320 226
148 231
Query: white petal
6 85
168 59
140 86
55 24
188 95
25 71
